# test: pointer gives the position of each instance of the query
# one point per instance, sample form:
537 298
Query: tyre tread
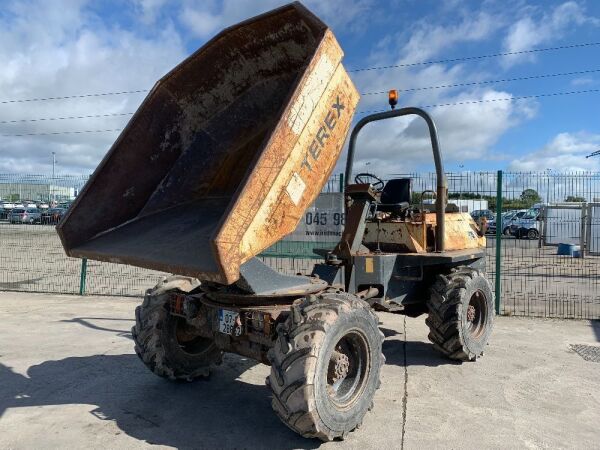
445 304
291 370
150 317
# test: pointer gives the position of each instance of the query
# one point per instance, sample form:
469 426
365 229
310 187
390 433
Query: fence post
499 230
341 182
582 230
83 276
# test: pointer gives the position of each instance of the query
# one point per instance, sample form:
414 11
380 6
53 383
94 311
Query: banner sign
323 221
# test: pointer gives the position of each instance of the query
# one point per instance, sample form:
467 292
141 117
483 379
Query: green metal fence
533 281
536 279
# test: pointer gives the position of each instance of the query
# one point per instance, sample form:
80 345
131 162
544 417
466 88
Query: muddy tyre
165 343
325 365
461 314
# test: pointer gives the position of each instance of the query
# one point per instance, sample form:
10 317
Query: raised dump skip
224 155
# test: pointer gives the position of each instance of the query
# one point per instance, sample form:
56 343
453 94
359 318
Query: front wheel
325 365
461 314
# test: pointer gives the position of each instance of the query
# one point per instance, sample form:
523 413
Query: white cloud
466 132
427 40
199 19
48 51
566 152
541 27
149 10
583 81
204 18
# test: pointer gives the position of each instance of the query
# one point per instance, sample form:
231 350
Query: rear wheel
506 231
165 343
325 365
461 314
532 233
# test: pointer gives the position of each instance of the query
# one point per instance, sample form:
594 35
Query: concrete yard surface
69 378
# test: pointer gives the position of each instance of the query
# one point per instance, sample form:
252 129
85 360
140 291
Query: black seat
395 196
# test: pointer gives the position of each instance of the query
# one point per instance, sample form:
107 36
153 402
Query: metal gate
593 228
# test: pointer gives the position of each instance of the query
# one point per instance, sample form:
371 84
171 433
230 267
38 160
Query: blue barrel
569 250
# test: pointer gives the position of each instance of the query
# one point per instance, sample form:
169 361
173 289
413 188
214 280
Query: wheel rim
188 341
532 234
477 314
348 369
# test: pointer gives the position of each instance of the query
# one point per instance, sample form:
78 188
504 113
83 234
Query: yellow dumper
219 162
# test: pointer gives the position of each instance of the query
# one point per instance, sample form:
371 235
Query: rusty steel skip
219 164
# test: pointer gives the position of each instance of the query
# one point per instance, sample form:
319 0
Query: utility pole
52 182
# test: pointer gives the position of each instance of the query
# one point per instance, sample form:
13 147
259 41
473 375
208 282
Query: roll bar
442 185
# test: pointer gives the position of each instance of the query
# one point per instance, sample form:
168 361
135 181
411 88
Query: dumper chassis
219 162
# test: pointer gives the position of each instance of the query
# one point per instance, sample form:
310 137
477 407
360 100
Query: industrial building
24 189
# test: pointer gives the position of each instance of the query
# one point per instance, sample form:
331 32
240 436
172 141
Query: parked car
11 205
478 213
52 216
510 219
527 226
64 205
491 227
25 215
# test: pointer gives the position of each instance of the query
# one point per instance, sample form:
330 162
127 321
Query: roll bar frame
442 184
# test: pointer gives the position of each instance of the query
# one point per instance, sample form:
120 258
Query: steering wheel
374 181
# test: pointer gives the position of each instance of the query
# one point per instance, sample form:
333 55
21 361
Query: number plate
227 321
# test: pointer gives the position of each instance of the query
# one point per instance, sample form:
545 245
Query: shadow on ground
87 322
18 285
388 332
221 412
418 353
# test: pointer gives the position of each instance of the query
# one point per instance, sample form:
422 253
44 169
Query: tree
466 195
530 197
573 198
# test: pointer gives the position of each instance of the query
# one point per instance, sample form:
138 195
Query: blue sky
52 48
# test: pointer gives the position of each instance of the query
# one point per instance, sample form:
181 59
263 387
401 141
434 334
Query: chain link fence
549 230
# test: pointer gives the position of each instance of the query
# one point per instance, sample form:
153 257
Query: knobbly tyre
219 162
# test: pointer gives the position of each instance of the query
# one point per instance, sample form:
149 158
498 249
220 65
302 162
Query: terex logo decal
318 142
